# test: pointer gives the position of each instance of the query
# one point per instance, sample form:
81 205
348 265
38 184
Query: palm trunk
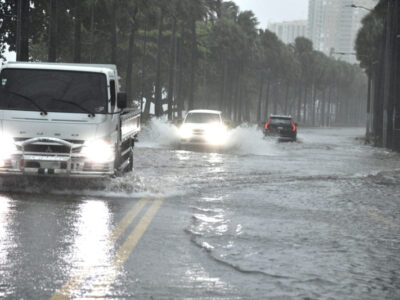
193 63
260 94
299 101
171 82
266 111
53 31
322 122
314 99
25 31
180 75
287 98
113 32
158 105
131 48
77 32
328 119
143 66
305 104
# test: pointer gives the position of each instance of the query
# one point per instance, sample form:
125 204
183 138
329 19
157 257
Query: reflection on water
91 254
4 242
92 228
4 235
7 246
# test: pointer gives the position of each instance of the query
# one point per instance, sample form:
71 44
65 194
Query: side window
112 91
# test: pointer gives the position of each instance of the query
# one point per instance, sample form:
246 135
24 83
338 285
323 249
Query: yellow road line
77 280
101 286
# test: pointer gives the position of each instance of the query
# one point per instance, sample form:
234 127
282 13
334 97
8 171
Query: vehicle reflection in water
5 242
92 251
4 234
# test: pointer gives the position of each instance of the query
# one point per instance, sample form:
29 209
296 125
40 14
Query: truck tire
129 167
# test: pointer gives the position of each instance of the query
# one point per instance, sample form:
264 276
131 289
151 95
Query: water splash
242 140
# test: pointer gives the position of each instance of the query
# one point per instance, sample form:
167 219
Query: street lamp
359 6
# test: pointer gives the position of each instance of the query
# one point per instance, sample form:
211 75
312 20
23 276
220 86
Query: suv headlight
185 132
98 151
7 147
216 134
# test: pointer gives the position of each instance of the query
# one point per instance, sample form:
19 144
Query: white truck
61 119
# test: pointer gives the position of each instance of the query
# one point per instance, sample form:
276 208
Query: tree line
182 55
378 49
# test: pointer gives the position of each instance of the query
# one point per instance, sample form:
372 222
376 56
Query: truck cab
64 119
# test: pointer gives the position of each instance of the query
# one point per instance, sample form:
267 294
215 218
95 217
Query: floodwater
314 219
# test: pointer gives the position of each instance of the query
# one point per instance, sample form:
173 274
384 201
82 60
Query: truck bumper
68 163
63 166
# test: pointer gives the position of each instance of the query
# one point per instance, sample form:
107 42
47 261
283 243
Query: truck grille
47 148
198 131
50 148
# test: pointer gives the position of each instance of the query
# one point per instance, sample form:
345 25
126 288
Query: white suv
203 127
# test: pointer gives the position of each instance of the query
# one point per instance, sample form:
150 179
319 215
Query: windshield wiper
43 111
75 104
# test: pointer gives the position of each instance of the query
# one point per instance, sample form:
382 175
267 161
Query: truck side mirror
122 100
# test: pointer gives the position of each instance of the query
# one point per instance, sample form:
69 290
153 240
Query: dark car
281 126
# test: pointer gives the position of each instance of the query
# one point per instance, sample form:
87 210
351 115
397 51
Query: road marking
75 282
102 284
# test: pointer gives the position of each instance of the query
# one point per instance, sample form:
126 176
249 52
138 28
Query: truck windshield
53 91
202 118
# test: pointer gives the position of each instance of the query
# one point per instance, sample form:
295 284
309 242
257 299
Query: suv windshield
202 118
279 121
52 90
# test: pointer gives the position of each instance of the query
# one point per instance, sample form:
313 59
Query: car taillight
267 125
293 126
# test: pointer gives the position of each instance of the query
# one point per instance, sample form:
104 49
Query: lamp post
359 6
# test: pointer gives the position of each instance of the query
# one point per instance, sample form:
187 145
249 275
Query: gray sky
275 10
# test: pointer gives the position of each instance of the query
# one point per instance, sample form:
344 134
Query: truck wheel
129 167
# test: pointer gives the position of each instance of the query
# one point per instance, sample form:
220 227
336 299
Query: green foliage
229 56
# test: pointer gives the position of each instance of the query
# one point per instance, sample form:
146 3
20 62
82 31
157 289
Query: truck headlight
98 151
7 147
216 134
185 132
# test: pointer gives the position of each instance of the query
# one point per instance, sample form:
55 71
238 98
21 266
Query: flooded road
316 219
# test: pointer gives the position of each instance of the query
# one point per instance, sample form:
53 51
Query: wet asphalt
318 219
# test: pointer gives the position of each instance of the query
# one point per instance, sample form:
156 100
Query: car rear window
276 121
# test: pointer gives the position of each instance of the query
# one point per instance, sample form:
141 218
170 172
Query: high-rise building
287 32
333 25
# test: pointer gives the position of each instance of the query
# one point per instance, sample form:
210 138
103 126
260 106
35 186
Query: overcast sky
275 10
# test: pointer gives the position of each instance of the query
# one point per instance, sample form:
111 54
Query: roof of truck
102 68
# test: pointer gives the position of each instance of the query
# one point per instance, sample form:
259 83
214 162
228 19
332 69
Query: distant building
287 32
333 25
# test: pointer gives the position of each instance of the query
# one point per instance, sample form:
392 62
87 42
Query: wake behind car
64 119
282 127
203 127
